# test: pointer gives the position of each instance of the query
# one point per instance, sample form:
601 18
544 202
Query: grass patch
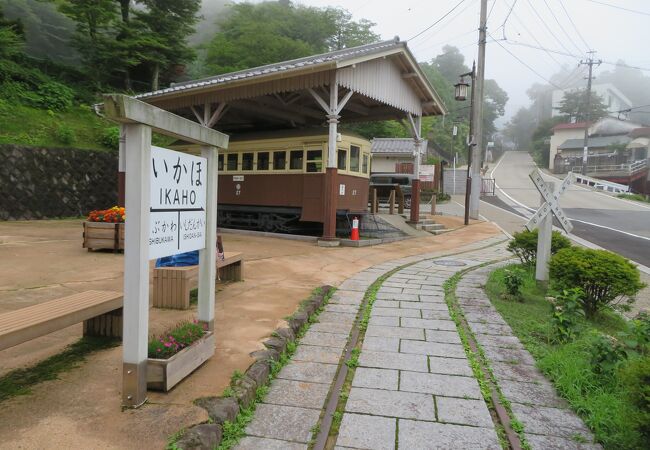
20 381
601 401
635 197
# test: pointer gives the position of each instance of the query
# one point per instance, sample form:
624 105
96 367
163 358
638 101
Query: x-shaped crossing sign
552 201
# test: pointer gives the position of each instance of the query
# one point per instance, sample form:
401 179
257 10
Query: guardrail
487 186
627 169
601 184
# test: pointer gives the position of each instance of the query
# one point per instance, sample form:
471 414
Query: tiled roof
314 60
594 142
569 126
394 145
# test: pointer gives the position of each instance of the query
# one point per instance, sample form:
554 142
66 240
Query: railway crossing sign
551 202
543 219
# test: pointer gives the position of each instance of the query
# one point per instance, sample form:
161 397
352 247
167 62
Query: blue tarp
180 260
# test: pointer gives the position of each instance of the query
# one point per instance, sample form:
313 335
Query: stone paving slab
429 324
318 354
398 332
324 339
432 349
425 435
286 423
386 360
342 328
367 377
541 393
550 421
437 384
449 337
256 443
450 366
367 432
539 442
308 371
424 306
297 393
395 312
508 355
463 412
352 309
384 321
437 314
391 403
381 344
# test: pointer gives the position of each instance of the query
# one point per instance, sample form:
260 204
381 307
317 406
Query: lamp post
460 93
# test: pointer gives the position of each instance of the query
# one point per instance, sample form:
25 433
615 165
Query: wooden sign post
543 219
171 207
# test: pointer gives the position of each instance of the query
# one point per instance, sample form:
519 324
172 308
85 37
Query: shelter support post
415 201
121 170
137 150
208 255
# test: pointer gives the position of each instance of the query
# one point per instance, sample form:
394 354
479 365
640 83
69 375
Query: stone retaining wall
40 183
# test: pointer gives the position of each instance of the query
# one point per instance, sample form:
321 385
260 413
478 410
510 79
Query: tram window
220 162
354 158
295 159
343 160
365 163
314 160
232 161
247 161
263 161
279 160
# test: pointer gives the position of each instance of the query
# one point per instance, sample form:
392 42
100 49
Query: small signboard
426 172
178 192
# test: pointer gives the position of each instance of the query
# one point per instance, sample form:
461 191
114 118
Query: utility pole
585 149
477 116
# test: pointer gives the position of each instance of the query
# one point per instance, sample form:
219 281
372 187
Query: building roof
349 57
394 146
640 132
594 142
569 126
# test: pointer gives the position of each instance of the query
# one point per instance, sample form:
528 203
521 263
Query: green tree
11 37
574 106
252 35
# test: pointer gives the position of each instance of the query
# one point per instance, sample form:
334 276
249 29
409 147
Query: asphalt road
618 225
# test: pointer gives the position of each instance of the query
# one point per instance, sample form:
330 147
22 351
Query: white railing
628 169
601 184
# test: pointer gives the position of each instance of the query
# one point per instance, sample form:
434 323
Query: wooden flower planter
164 374
103 235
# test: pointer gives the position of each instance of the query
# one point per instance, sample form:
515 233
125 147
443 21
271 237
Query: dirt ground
42 260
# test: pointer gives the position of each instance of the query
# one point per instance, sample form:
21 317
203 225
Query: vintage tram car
276 181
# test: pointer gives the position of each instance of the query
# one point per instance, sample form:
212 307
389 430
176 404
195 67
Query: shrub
606 354
607 279
168 344
55 96
566 313
524 245
65 134
514 280
635 377
111 137
636 336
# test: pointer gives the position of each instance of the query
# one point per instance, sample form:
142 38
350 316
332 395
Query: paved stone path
414 388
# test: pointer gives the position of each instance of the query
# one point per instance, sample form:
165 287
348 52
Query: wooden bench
100 311
172 285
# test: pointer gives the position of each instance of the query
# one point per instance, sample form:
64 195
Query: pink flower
168 344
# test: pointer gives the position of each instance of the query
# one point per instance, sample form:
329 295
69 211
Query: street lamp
460 93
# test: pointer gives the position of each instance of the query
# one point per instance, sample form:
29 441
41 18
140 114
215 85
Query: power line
491 8
574 25
524 64
533 36
503 25
437 21
562 27
621 8
470 4
547 27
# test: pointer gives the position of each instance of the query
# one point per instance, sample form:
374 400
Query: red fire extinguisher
355 229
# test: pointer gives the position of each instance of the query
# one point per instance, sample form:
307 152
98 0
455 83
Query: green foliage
635 377
524 245
513 280
55 96
608 280
65 134
606 354
635 197
182 336
252 35
602 401
574 106
566 313
111 137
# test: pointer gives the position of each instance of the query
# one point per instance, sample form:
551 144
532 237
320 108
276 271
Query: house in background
613 99
618 151
393 155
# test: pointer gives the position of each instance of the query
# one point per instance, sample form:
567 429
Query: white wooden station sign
551 202
177 196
